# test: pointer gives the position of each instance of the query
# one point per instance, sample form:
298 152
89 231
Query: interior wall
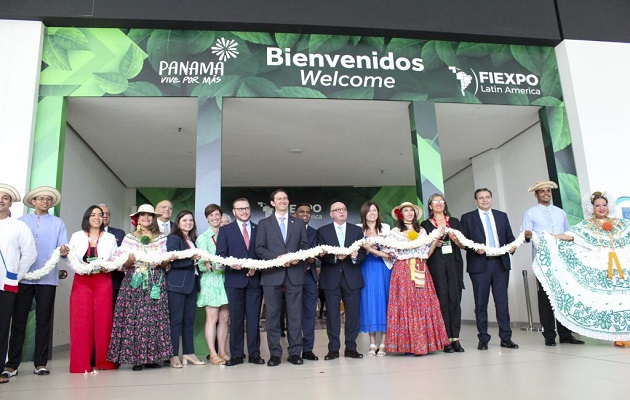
597 104
86 181
508 171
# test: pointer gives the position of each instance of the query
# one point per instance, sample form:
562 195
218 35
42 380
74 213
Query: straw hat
543 185
42 191
11 191
407 204
145 208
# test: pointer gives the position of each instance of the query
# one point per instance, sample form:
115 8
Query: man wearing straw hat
49 233
17 253
545 217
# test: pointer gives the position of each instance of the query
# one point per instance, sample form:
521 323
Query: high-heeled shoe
373 349
175 362
195 361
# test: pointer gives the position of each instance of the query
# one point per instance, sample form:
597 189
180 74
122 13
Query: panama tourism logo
208 72
496 82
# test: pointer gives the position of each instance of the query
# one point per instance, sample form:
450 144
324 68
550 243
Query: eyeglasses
438 201
41 198
165 208
340 210
106 214
241 209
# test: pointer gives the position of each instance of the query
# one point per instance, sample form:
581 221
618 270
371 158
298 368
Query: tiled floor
596 370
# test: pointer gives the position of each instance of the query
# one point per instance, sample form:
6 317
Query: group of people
410 295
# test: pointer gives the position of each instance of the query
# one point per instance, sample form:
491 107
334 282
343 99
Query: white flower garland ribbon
116 263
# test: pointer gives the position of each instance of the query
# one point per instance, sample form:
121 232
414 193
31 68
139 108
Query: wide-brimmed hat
145 208
11 191
407 204
543 185
42 191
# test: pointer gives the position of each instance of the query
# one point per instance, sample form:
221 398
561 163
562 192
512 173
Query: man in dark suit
165 209
278 234
492 228
237 239
341 279
119 234
309 293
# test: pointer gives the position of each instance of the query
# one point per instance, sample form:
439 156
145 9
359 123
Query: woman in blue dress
376 274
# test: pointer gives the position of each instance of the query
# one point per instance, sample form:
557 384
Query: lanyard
95 246
445 220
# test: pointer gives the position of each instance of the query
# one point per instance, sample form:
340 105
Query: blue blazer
311 236
332 268
119 234
472 228
230 243
270 245
181 278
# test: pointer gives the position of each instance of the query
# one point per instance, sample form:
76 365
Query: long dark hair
192 235
400 223
365 208
85 222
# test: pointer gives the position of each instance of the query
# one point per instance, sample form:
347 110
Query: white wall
596 88
20 46
86 181
508 171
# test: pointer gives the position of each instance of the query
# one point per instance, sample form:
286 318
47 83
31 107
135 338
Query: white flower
225 49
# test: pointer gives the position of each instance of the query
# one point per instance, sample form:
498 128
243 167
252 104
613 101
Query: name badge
447 248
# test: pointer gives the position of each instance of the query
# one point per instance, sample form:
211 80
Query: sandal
381 350
217 360
225 357
4 379
373 349
620 343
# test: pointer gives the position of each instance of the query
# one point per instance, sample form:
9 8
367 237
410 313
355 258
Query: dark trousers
449 292
351 300
309 310
244 304
7 300
44 296
273 306
182 308
547 319
495 278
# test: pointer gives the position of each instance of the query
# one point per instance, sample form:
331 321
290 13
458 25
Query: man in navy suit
237 239
310 293
492 228
279 234
341 279
119 234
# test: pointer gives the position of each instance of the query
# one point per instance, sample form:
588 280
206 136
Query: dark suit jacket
311 235
472 228
270 245
332 268
119 234
181 278
230 243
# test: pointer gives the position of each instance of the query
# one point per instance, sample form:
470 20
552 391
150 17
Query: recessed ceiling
151 142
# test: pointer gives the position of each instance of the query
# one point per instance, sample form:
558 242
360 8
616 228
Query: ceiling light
295 151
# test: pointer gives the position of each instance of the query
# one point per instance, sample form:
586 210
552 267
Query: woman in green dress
212 295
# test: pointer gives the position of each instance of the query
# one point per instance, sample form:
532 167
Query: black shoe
282 334
352 354
449 349
331 355
234 361
152 365
550 342
457 346
508 343
571 340
137 368
9 372
256 359
273 361
295 360
482 345
309 355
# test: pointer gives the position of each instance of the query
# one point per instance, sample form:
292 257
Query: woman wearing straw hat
141 334
414 321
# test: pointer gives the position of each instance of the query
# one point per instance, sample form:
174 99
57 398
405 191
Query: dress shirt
165 227
539 219
18 248
49 233
482 215
248 226
283 220
343 229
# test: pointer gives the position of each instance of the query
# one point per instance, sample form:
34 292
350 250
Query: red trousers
91 316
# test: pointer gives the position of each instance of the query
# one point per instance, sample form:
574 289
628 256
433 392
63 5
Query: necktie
341 236
283 229
245 235
489 229
166 227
